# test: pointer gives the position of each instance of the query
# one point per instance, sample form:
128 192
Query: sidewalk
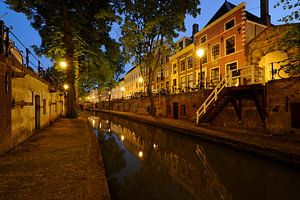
284 148
61 162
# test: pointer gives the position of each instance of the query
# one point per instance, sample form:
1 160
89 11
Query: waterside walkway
61 162
284 148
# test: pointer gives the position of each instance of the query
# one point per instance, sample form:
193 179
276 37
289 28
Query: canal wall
27 103
281 102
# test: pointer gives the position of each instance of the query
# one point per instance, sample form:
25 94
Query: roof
226 7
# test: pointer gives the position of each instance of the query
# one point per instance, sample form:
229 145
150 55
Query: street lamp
122 89
200 53
63 64
66 86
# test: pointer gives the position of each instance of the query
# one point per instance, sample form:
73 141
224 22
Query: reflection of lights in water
100 125
122 137
140 154
93 123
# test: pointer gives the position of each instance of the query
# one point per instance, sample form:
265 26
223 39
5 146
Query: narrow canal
143 162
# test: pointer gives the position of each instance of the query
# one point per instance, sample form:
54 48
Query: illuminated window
215 51
182 65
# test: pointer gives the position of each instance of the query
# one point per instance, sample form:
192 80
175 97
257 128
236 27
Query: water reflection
143 162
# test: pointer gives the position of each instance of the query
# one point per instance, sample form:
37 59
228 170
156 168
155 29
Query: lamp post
200 53
122 89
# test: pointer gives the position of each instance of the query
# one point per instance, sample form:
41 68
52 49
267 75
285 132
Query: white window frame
226 45
212 57
229 21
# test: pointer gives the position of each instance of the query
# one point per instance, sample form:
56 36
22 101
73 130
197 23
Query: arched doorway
273 59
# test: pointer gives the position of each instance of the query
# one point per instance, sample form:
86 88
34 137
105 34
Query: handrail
256 76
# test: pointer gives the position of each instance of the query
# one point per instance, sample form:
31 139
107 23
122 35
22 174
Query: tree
148 30
77 31
291 40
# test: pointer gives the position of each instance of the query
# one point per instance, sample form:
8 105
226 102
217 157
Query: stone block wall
281 94
30 97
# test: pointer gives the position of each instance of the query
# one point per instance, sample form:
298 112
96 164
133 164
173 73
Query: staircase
220 96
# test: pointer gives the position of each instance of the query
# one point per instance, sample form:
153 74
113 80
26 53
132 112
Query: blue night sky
23 30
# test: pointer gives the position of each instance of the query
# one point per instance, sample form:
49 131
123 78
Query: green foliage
292 5
149 28
291 40
97 54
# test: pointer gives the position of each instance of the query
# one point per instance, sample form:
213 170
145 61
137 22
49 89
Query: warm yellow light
63 64
122 88
140 80
122 137
66 86
140 154
200 52
93 123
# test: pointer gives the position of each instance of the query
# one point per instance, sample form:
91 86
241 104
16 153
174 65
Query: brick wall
5 105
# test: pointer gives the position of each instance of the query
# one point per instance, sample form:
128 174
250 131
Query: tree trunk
72 111
152 108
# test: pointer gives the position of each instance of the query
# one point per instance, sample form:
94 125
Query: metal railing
247 75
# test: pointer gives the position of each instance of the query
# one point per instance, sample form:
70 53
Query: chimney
264 12
195 29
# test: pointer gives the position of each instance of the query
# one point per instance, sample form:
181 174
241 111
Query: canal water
143 162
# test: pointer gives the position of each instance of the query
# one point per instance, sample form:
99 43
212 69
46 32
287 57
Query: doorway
295 110
37 112
175 110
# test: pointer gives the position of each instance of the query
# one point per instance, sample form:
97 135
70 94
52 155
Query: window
215 76
182 82
190 80
182 65
167 72
161 74
230 45
230 24
174 82
174 68
182 110
203 39
235 72
190 62
167 85
44 106
215 51
232 66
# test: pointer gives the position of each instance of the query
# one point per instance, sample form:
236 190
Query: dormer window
203 39
229 24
